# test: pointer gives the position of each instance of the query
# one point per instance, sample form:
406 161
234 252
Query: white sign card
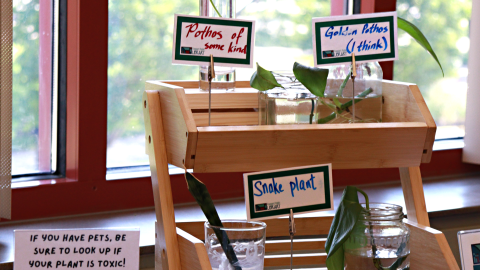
272 194
79 249
469 244
372 37
230 41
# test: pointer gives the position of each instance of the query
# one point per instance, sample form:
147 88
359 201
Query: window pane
140 49
445 23
283 31
32 86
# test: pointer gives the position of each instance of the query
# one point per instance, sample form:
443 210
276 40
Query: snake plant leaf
416 34
204 200
263 79
314 79
343 223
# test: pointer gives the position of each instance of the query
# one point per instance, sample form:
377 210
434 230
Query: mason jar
367 93
292 104
379 239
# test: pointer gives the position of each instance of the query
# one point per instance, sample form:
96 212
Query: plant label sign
372 37
80 249
272 194
230 41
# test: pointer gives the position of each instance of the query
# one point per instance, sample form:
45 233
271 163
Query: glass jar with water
379 240
292 104
337 105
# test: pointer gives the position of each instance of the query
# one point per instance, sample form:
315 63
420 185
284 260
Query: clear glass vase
224 76
379 238
247 239
293 104
336 106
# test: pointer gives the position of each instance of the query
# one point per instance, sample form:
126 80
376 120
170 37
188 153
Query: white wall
471 151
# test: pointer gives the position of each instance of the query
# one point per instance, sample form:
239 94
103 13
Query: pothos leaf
263 79
314 79
202 196
345 218
416 34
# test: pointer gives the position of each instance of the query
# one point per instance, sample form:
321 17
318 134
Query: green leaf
314 79
263 79
200 192
343 223
416 34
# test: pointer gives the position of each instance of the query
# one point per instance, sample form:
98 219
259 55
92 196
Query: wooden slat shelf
176 127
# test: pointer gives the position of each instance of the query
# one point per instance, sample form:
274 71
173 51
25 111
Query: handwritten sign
273 193
80 249
230 41
372 37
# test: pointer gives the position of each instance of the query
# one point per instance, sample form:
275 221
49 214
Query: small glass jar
368 95
293 104
224 76
247 239
379 238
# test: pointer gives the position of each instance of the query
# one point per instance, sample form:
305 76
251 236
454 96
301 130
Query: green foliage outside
25 75
445 23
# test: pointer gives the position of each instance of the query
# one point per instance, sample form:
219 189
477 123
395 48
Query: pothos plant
315 79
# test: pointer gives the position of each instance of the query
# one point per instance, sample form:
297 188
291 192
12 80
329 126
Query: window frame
83 188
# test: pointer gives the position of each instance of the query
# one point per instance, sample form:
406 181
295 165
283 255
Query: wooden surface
308 259
412 186
283 246
193 255
178 121
246 98
166 245
227 119
257 148
429 249
432 127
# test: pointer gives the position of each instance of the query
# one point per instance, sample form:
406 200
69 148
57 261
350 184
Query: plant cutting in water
345 219
200 192
315 80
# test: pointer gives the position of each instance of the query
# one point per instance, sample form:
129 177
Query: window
140 47
446 25
35 87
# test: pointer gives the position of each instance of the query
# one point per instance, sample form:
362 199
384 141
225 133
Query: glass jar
293 104
368 95
247 238
379 238
224 76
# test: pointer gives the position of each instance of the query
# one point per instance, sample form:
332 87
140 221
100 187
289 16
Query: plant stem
211 2
311 113
343 107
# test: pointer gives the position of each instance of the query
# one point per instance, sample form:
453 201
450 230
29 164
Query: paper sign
79 249
372 37
272 194
230 41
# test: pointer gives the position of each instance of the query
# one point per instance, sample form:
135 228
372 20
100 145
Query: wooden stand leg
167 255
412 186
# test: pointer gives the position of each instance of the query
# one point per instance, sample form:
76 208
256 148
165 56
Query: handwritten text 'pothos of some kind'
269 186
216 39
362 44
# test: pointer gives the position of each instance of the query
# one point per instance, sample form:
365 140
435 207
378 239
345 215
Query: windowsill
460 191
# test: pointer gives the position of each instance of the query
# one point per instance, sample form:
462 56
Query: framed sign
230 41
272 194
469 244
372 37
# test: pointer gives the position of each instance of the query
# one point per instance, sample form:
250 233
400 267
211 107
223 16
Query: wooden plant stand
177 133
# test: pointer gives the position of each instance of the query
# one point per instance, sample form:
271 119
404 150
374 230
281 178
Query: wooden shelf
175 119
404 139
